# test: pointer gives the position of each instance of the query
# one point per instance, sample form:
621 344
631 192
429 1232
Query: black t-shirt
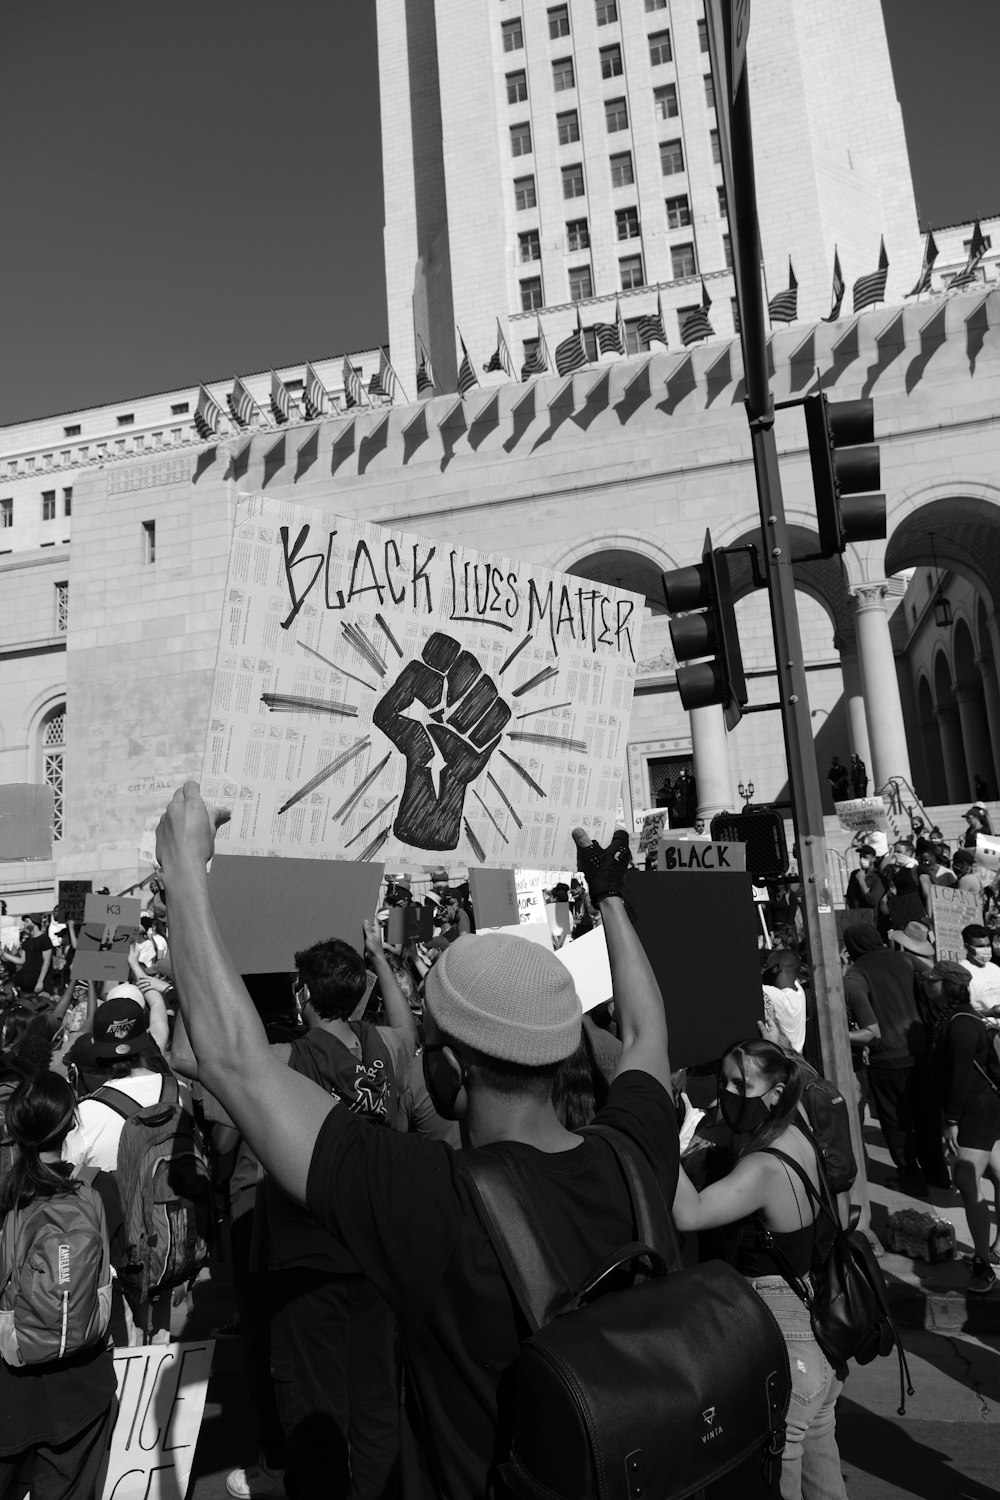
35 949
404 1208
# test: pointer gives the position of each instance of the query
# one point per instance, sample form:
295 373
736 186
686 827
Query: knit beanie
509 998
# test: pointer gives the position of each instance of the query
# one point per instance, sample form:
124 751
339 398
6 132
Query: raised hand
604 869
454 727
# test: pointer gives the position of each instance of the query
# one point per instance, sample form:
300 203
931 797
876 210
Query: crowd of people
327 1113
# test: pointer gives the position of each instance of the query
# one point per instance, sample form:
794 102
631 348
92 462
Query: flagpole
392 367
767 295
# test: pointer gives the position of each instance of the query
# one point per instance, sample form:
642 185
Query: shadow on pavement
887 1451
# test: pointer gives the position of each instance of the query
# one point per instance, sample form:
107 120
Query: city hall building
608 209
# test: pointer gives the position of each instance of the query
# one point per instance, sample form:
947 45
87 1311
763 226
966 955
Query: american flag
784 308
315 396
837 294
696 325
651 329
500 358
241 404
388 380
977 249
354 394
610 338
930 256
282 405
207 415
426 384
537 362
466 374
375 385
571 354
871 288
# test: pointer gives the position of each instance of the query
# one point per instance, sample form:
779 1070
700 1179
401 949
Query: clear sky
193 189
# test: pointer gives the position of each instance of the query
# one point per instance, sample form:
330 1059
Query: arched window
53 746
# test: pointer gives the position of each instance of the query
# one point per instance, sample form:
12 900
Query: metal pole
803 776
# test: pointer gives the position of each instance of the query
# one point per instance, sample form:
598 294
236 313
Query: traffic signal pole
803 774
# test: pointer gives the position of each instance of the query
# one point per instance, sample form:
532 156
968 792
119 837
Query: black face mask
439 1076
744 1116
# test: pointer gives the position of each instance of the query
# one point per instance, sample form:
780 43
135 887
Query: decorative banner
161 1400
700 854
110 926
862 814
379 693
71 896
952 910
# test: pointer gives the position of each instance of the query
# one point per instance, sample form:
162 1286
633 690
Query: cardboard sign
639 817
110 926
161 1401
377 693
700 854
587 960
409 924
952 910
649 834
494 897
26 819
530 901
861 814
71 895
268 909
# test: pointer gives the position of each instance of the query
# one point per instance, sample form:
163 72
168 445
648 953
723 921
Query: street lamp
746 792
942 605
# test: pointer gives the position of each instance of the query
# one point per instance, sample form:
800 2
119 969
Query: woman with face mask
760 1087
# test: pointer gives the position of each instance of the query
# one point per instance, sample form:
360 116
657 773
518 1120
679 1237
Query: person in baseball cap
121 1025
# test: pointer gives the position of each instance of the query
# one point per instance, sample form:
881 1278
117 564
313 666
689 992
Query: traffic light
712 633
763 833
846 472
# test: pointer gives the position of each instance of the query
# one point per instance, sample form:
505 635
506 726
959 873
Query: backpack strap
653 1218
123 1104
822 1197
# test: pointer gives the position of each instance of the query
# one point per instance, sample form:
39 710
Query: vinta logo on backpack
708 1417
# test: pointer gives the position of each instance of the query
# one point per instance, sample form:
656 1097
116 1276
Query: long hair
40 1113
775 1066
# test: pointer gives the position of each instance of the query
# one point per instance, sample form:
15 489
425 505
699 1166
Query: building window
736 314
47 460
709 91
139 442
665 102
568 127
660 50
716 148
66 458
128 420
581 283
572 181
611 62
517 88
68 500
531 294
48 505
627 223
703 36
157 439
62 608
513 36
119 445
631 266
655 5
524 192
149 541
682 261
607 12
621 170
29 464
562 75
671 158
590 345
727 250
6 514
615 115
559 21
577 235
678 212
180 409
634 342
987 242
528 246
723 205
520 139
53 746
72 431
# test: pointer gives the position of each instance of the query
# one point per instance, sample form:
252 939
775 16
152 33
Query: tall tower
539 155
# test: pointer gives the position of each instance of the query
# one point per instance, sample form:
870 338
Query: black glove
604 869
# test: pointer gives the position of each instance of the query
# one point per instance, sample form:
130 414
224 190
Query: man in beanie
501 1016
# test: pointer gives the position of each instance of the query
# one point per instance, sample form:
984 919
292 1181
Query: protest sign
587 960
639 817
71 895
381 693
147 847
110 926
161 1400
269 909
952 910
494 897
530 901
862 814
700 854
649 833
409 924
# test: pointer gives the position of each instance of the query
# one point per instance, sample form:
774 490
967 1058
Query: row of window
98 452
48 507
564 76
512 31
127 419
683 259
529 246
573 184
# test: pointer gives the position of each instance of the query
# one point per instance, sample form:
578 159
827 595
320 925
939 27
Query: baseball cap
945 968
120 1027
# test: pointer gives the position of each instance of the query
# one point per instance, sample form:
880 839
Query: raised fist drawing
454 727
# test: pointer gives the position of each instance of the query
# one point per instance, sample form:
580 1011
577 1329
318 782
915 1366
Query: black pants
62 1471
907 1109
255 1328
334 1367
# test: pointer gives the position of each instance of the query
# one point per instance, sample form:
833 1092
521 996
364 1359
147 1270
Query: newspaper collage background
379 694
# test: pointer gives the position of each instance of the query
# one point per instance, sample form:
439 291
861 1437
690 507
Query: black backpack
657 1387
826 1111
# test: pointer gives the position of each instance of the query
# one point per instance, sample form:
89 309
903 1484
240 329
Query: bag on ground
55 1278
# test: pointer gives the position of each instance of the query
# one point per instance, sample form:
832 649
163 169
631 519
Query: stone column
854 702
883 710
975 734
952 752
712 774
991 695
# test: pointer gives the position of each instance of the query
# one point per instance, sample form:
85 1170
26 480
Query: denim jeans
810 1464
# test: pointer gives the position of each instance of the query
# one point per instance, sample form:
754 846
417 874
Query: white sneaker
256 1483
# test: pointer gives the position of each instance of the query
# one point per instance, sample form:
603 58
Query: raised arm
397 1008
277 1110
642 1021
